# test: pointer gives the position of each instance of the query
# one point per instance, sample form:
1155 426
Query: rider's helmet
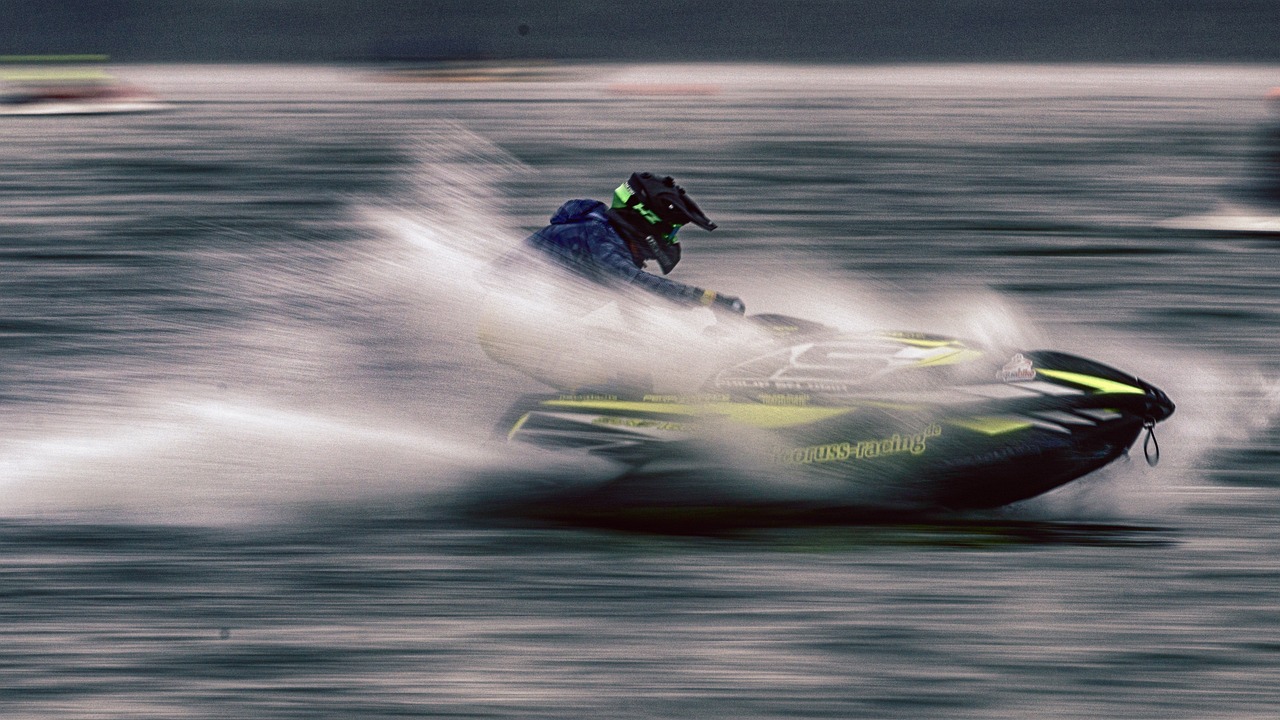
661 207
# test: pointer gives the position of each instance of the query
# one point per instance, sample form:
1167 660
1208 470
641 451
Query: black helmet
661 202
650 211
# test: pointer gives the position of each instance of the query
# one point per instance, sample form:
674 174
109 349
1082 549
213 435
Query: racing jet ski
68 85
915 420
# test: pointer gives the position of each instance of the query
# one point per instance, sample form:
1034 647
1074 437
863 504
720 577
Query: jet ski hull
900 420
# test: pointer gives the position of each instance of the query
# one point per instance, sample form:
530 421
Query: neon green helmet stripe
623 197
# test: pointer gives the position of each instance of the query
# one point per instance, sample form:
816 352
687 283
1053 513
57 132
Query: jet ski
79 100
68 85
913 420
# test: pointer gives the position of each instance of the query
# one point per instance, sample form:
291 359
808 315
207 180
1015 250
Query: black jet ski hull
925 421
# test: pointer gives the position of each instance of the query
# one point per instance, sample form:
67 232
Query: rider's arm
614 261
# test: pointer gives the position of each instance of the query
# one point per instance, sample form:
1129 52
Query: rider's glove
728 303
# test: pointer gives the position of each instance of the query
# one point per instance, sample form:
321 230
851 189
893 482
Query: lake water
241 396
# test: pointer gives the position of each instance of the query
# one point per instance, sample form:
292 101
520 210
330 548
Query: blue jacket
581 239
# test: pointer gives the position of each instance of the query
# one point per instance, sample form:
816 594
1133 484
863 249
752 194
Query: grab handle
1151 446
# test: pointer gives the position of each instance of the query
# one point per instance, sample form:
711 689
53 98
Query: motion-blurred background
240 392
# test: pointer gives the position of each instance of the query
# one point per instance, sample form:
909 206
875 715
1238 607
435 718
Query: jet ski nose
1159 406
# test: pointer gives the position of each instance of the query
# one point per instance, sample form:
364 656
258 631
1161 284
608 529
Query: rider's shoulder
581 210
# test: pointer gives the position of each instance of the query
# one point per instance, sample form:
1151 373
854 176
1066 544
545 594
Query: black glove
728 303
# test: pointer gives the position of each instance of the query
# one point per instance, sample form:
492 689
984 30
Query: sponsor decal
896 444
798 386
697 399
784 399
586 398
638 423
1017 369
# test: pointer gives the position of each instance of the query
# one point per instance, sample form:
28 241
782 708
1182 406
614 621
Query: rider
575 344
611 245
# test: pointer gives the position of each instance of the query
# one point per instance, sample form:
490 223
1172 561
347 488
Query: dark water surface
241 396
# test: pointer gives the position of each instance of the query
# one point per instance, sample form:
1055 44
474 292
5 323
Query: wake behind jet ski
909 420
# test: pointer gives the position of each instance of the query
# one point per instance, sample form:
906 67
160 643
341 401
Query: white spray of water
220 460
343 375
302 420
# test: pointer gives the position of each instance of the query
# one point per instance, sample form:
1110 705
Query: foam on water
308 393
